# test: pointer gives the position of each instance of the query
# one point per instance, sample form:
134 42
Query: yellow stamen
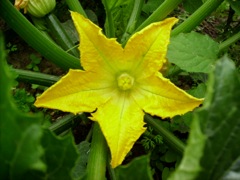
125 81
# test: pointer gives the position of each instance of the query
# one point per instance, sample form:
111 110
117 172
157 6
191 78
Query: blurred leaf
235 4
233 172
60 156
213 146
20 134
137 169
193 52
170 156
191 5
27 150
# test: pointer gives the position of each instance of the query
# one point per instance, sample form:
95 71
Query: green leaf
137 169
20 134
193 52
213 146
235 5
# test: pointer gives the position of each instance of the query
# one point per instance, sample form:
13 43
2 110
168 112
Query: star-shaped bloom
118 85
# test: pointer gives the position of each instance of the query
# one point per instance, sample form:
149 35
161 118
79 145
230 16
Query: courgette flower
37 8
118 85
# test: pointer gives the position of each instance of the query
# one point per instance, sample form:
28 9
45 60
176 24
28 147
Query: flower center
125 81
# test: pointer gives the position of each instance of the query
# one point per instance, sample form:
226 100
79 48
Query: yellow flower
119 84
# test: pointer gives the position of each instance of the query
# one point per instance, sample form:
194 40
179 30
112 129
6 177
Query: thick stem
96 167
35 77
160 13
75 5
168 137
197 17
63 124
35 38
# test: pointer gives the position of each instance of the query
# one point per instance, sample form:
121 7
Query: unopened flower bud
37 8
21 4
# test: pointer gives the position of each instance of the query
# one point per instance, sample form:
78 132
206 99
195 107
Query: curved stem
35 38
197 17
96 167
168 137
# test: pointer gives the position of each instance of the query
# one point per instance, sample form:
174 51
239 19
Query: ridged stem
35 38
197 17
35 77
160 13
168 137
75 5
62 124
96 167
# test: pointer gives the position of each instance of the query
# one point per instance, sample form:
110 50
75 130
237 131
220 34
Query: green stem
60 35
96 167
35 38
76 6
35 77
109 29
137 9
63 124
168 137
229 41
40 24
160 13
197 17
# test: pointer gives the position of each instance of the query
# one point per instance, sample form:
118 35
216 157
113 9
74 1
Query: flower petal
76 92
97 51
158 96
121 121
148 47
